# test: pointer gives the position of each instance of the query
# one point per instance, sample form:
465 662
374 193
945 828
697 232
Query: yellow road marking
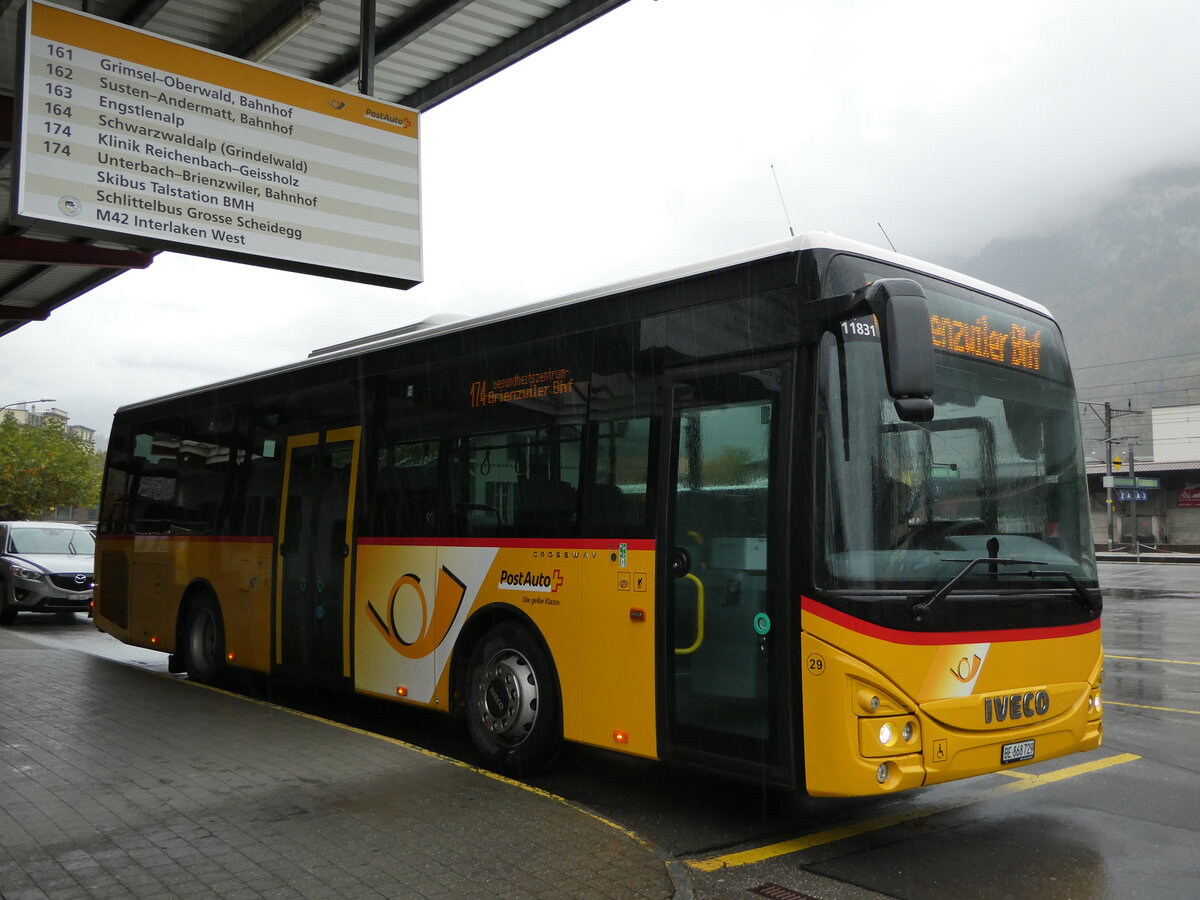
1190 712
1016 773
1175 662
808 841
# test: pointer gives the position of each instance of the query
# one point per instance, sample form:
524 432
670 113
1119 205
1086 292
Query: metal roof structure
426 51
1148 467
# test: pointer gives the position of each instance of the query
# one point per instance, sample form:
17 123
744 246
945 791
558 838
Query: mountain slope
1123 280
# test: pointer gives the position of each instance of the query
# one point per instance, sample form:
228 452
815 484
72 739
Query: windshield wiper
1088 599
921 608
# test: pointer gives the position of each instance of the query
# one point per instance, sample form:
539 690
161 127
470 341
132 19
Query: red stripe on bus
895 636
507 543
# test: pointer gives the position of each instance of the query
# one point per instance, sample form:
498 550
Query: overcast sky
646 140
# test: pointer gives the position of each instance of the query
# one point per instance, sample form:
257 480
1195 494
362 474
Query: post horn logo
967 669
407 596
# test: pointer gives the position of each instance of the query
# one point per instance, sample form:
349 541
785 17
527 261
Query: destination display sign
1018 346
147 141
522 386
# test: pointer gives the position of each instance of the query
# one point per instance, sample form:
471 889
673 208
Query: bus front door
724 658
315 554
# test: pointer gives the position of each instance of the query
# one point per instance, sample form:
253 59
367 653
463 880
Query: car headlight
28 574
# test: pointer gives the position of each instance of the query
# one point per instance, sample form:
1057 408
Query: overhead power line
1142 381
1146 396
1130 362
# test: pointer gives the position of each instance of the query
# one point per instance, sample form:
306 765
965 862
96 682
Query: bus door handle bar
684 651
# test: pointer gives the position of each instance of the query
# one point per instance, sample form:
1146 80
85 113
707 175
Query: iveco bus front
954 623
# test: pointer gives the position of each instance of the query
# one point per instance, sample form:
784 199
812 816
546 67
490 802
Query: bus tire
514 712
204 641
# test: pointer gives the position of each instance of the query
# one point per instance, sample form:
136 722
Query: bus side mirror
907 340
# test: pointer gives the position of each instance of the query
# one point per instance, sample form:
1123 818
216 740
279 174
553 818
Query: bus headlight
888 736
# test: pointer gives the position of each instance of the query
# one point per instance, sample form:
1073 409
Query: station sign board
1126 481
1138 496
145 141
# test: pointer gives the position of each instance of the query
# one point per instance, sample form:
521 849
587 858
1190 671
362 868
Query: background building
27 414
1166 496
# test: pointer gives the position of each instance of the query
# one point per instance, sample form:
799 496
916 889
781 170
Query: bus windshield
996 474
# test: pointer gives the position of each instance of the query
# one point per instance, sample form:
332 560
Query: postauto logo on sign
535 582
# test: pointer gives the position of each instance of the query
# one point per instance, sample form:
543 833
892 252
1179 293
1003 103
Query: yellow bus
812 516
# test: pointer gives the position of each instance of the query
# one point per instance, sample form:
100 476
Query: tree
41 466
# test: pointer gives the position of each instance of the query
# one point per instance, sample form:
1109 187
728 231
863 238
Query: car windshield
73 541
997 472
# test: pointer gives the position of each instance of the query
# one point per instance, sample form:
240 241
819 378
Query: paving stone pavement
117 782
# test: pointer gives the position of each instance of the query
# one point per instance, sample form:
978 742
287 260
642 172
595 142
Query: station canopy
426 51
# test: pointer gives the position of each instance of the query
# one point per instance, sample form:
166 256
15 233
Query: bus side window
157 449
517 484
259 493
404 500
623 409
617 504
205 499
118 482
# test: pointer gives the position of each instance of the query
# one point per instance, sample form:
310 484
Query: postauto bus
812 515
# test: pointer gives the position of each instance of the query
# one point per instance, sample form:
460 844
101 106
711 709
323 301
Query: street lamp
27 402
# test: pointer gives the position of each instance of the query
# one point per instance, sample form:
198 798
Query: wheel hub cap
509 697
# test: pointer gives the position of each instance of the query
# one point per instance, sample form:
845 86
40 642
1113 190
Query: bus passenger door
315 553
724 646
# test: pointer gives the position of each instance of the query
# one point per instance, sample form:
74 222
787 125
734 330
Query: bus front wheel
513 708
204 641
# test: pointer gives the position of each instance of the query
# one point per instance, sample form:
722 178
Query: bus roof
446 323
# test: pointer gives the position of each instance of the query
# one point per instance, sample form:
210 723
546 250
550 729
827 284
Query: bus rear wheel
204 641
514 713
